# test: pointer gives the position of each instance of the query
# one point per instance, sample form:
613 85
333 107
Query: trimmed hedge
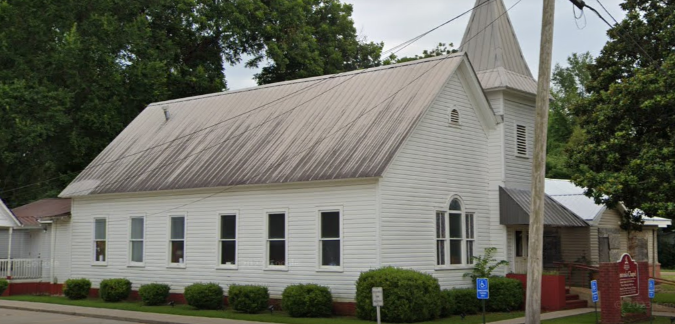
3 285
154 294
409 296
76 288
463 301
447 303
114 290
308 300
204 295
506 295
248 299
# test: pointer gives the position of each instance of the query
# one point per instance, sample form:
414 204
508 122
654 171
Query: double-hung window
228 240
136 240
330 246
100 240
177 240
276 240
455 235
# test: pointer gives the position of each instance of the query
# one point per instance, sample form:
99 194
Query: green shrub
204 296
248 299
154 294
307 301
114 290
505 295
3 285
463 301
409 296
447 303
76 288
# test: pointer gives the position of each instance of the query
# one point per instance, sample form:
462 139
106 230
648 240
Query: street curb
108 317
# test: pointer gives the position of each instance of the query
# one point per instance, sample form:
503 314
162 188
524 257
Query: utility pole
535 252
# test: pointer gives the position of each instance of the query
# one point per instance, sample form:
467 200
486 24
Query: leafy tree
627 152
484 265
568 89
310 38
440 49
73 74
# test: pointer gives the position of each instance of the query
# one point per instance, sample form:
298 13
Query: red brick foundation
554 287
610 302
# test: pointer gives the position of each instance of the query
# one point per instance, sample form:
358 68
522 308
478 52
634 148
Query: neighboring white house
320 179
35 241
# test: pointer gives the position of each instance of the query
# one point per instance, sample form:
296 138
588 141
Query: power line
409 42
92 166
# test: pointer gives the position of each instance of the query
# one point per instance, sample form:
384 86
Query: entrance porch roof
514 209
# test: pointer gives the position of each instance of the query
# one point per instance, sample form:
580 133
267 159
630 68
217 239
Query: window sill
136 265
330 269
176 266
454 267
275 269
99 264
227 267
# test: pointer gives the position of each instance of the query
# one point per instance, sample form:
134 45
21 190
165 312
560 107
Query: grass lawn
590 319
277 317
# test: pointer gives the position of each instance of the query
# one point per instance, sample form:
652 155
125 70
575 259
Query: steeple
493 49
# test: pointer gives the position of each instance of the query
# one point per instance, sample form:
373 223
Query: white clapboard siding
518 169
303 200
20 244
497 175
594 246
438 161
62 250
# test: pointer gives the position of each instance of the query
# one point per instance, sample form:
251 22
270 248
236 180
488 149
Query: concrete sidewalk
114 314
154 318
548 316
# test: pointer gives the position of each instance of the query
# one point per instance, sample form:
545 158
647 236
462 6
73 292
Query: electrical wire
189 135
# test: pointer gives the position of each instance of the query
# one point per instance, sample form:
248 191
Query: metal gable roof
494 50
331 127
514 209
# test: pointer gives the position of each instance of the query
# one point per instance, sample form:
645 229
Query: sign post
652 293
594 295
378 301
483 292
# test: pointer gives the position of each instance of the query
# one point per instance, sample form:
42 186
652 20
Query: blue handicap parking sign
482 288
595 297
652 288
594 286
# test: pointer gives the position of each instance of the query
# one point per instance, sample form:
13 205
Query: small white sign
378 297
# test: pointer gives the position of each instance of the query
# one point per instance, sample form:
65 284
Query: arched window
454 117
454 235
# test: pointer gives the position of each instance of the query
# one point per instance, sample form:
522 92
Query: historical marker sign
628 276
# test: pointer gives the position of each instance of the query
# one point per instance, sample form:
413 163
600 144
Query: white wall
20 244
518 170
62 250
303 200
437 161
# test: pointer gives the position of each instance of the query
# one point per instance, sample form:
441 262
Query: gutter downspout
9 254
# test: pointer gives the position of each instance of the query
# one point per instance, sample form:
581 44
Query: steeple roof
493 49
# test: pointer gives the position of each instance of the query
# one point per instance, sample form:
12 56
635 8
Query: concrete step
573 304
571 297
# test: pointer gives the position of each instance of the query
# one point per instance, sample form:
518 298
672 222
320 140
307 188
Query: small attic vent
521 140
454 117
166 113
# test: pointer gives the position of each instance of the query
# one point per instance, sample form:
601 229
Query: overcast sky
395 21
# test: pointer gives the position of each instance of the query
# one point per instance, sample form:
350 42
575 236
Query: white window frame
94 262
463 246
515 140
169 240
468 239
266 239
219 239
319 239
130 240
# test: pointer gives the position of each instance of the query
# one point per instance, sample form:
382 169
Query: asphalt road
10 316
